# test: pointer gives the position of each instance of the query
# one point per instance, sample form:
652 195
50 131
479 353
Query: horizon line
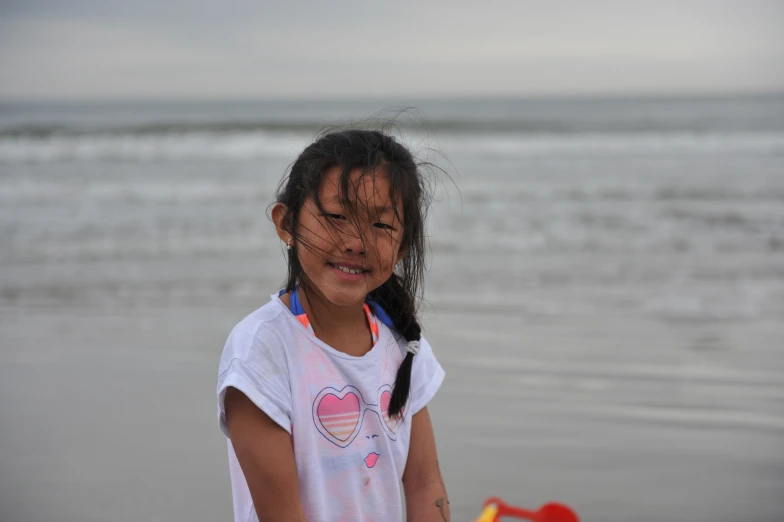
610 96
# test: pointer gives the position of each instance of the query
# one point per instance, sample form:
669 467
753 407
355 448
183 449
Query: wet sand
112 417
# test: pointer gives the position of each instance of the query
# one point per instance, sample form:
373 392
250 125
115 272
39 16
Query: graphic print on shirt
340 415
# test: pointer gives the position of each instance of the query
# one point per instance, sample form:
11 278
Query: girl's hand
426 499
266 456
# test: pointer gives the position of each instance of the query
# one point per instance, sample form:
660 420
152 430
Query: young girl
323 391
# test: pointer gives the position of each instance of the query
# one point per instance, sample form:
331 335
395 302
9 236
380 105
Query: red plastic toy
495 508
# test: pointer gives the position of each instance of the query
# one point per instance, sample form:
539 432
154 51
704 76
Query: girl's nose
353 242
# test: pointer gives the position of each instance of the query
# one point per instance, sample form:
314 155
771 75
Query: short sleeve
426 377
254 362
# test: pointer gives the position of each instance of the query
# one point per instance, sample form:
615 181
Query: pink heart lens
339 416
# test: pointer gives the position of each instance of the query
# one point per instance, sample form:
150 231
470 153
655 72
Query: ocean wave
149 147
407 125
45 131
680 143
492 194
235 142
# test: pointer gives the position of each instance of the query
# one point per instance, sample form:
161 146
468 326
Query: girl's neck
345 328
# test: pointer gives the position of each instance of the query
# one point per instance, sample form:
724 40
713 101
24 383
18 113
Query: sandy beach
607 303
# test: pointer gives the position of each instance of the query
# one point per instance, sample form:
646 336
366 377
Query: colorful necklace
373 313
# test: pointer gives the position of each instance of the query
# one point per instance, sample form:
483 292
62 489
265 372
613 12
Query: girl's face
346 255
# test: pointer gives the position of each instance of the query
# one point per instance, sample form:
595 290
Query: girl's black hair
374 153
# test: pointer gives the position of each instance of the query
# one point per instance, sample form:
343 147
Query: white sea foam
239 145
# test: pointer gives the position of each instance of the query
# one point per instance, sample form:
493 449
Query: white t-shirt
350 455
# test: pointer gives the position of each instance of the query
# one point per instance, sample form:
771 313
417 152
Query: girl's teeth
348 270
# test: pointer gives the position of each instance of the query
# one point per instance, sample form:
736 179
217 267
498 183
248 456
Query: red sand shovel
495 508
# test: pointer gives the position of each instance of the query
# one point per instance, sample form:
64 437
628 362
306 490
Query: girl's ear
279 212
401 253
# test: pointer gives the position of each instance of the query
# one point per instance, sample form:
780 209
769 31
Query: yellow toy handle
489 514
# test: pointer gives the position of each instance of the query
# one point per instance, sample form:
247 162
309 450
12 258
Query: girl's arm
426 499
266 456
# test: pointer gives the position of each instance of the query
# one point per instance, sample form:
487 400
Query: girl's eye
334 216
383 226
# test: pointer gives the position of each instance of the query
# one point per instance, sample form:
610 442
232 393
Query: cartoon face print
366 442
343 416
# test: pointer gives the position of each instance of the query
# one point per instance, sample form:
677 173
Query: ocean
605 292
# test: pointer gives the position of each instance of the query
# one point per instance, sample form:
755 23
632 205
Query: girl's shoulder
259 335
255 362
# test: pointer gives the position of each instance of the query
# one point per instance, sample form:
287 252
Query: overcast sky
87 49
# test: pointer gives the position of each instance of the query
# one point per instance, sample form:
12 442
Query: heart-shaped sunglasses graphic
339 414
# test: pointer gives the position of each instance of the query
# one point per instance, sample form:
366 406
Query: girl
323 391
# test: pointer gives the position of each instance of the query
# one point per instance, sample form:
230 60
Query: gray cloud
177 48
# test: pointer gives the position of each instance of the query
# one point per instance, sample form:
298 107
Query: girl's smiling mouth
371 459
349 272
